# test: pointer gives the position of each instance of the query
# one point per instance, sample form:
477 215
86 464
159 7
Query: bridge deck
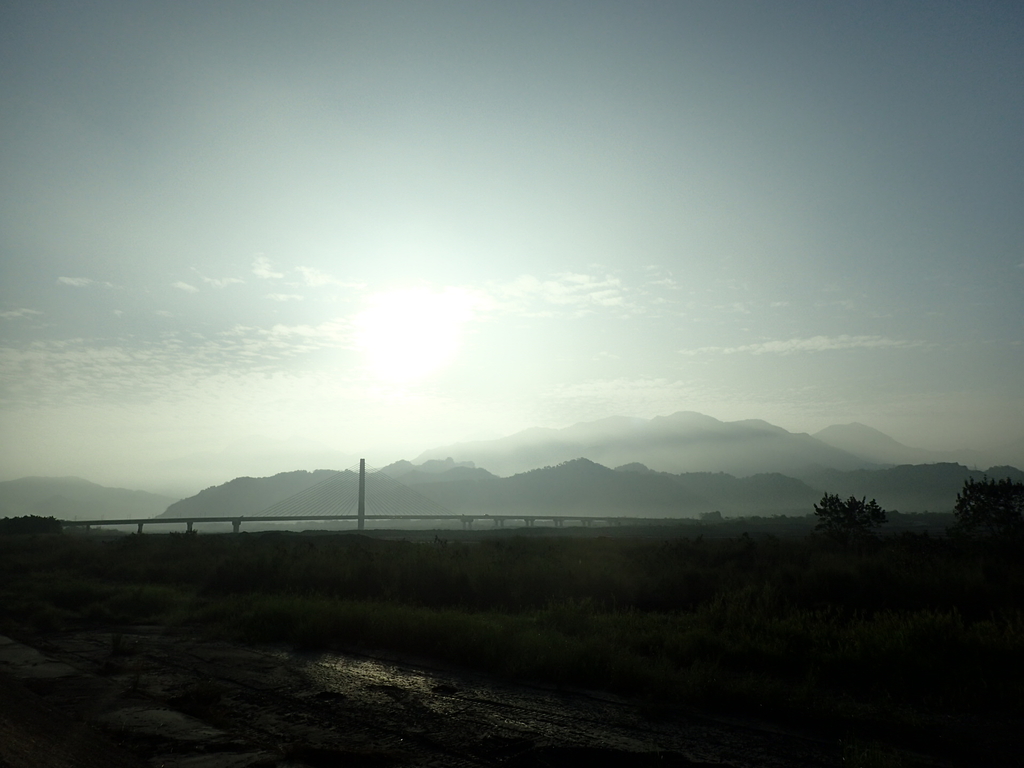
238 519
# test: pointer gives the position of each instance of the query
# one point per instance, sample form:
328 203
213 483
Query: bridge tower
361 513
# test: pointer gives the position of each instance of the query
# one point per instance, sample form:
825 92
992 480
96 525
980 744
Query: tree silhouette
990 508
848 521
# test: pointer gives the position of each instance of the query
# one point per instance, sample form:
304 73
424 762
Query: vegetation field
888 639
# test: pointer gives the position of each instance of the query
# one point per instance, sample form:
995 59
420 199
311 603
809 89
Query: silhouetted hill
68 498
581 486
416 477
584 487
907 488
246 495
683 442
431 467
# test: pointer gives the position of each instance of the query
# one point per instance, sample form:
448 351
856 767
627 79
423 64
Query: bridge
358 494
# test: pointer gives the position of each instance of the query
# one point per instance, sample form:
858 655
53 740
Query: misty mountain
245 496
635 489
578 487
584 487
908 488
68 498
874 446
432 468
248 456
683 442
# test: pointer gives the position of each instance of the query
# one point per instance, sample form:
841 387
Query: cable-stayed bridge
359 493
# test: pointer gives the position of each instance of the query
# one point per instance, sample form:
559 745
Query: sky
370 229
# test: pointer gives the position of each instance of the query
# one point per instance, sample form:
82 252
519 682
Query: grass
896 634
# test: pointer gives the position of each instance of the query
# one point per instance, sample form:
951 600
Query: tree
848 521
990 508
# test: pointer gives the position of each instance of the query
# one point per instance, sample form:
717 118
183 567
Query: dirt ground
148 697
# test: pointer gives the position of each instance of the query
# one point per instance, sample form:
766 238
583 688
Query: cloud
811 344
665 282
285 297
315 278
217 282
172 367
185 287
262 269
11 314
163 313
566 291
83 282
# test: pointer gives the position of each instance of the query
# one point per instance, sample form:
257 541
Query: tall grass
907 627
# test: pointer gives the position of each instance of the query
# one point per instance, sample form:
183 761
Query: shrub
31 524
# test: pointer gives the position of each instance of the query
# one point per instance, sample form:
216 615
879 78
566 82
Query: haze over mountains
70 498
582 487
685 464
872 445
692 442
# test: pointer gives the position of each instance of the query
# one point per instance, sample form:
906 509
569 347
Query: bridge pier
528 521
189 524
558 522
467 523
235 525
140 528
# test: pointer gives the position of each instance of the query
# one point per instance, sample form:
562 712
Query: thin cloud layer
262 268
11 314
562 293
314 278
83 282
811 344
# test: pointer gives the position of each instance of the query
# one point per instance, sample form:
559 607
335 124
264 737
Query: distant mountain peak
873 445
685 441
855 428
636 466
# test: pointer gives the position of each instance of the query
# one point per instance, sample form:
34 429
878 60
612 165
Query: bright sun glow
411 333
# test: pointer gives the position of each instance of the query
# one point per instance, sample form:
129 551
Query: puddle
180 700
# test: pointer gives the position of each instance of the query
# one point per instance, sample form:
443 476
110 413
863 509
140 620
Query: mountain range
583 487
679 465
68 498
692 442
246 495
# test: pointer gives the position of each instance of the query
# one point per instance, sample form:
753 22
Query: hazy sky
381 227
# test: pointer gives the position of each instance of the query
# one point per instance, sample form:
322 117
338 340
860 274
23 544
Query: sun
406 335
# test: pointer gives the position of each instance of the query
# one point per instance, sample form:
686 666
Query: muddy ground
145 696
